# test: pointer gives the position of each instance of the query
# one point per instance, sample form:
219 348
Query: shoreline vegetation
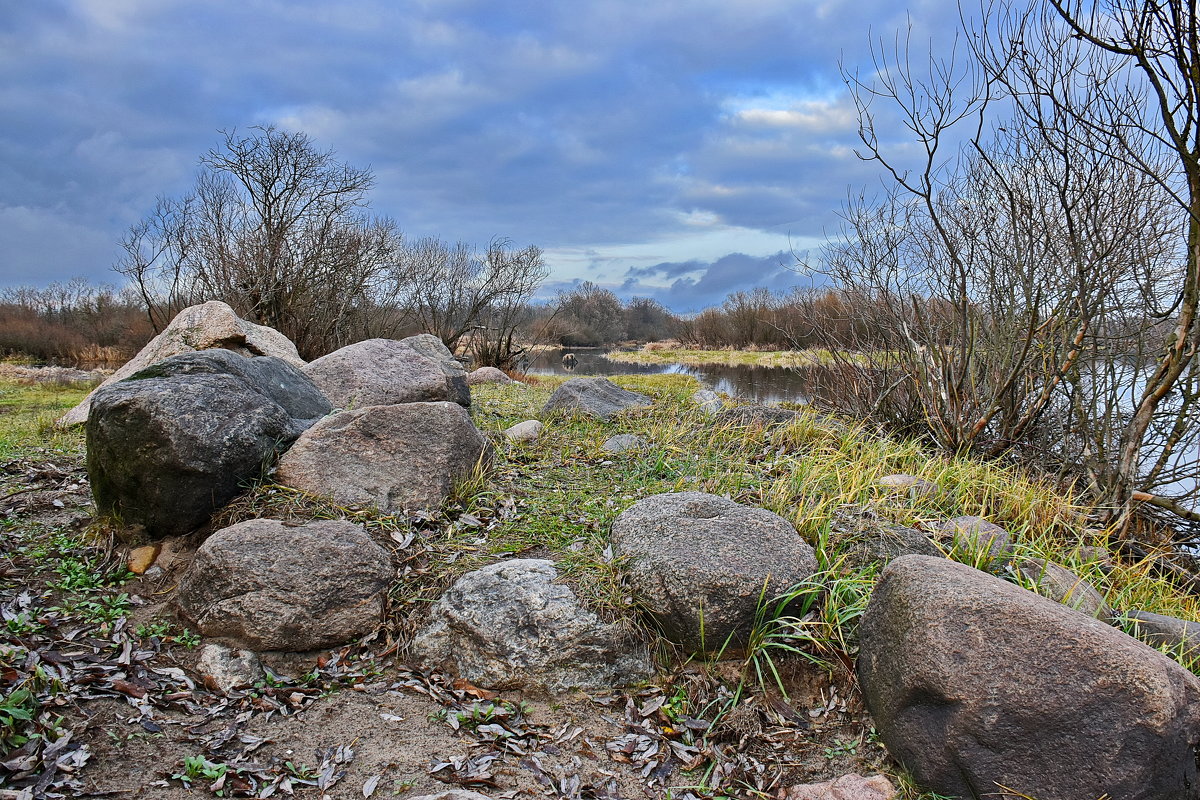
556 498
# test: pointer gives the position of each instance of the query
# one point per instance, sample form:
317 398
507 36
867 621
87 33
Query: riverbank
650 354
790 705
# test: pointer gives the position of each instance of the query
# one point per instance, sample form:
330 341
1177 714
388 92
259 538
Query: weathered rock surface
596 397
208 326
380 372
228 669
393 457
847 787
1063 586
268 585
973 682
510 625
699 562
708 401
756 416
622 442
1180 635
176 441
980 539
866 539
526 431
487 375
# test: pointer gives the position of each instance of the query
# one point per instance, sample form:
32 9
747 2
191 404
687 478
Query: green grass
27 416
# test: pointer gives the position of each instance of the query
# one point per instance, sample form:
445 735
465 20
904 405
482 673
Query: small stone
901 483
1180 636
1063 586
142 558
526 431
624 441
487 375
227 669
709 401
847 787
980 540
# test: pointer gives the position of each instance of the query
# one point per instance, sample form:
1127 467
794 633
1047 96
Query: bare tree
454 290
275 227
1131 93
1029 282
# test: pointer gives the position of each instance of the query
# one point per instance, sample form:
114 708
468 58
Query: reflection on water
759 384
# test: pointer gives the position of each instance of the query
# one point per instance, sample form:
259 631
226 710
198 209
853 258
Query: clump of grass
810 357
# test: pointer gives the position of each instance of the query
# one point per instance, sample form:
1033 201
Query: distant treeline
78 323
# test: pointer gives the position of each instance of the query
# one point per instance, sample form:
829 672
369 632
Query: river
758 384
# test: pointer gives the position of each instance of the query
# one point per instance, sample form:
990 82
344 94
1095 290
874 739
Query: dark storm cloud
571 125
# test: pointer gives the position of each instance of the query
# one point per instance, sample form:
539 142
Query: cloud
604 127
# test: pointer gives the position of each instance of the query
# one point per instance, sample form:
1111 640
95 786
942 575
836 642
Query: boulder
1063 586
488 375
208 326
1180 636
866 539
754 416
847 787
392 457
269 585
526 431
172 443
976 683
622 442
226 669
595 397
699 564
510 625
381 372
708 401
985 543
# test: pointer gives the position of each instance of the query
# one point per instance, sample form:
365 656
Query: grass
750 358
27 416
810 357
557 497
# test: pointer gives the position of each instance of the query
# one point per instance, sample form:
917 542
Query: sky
675 149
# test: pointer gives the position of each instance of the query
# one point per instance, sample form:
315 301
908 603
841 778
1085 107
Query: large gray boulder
380 372
511 625
976 683
699 564
208 326
268 585
174 442
392 457
594 397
